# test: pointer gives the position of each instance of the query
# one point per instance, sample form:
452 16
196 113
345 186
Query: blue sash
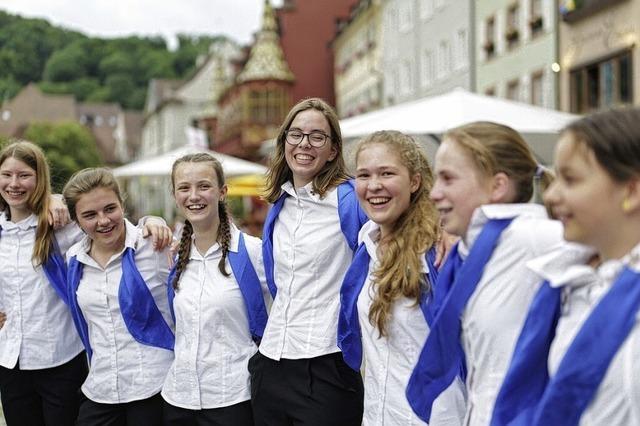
250 287
586 361
442 357
351 215
528 376
349 334
138 308
55 269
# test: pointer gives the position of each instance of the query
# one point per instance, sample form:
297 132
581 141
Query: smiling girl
117 294
385 315
218 298
485 176
299 376
577 357
41 360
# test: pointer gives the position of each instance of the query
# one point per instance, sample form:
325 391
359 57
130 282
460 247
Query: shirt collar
306 191
233 245
566 264
487 212
370 234
30 221
130 241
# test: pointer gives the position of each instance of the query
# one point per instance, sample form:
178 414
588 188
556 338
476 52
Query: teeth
104 231
15 193
196 207
378 200
304 157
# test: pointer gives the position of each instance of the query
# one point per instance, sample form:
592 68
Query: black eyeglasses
316 139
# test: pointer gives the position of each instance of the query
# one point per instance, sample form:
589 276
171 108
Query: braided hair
224 227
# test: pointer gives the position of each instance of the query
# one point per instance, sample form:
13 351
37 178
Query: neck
206 237
102 253
299 182
18 215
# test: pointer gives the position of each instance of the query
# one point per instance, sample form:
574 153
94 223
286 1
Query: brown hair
400 268
614 138
224 230
87 180
332 174
31 155
496 148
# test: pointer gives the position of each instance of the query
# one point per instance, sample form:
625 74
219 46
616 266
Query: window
489 37
462 49
426 9
513 25
444 58
537 89
406 17
604 84
267 106
535 22
427 68
513 90
405 78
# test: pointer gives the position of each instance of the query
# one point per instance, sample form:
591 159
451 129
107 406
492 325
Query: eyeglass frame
308 135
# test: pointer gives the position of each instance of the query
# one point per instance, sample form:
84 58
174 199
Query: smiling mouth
106 230
304 157
196 207
378 201
16 193
444 210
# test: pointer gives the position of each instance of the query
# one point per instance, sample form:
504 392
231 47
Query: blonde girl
117 290
41 360
299 376
217 291
485 176
385 297
576 362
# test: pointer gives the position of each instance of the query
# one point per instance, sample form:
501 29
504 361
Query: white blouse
617 400
213 342
495 313
121 370
39 330
390 360
311 256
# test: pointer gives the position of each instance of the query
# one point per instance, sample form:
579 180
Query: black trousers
147 412
49 396
318 391
233 415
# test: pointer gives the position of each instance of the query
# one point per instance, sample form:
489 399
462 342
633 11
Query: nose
304 143
193 194
103 219
374 183
436 191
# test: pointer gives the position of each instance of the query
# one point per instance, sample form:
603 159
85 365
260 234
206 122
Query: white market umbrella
161 165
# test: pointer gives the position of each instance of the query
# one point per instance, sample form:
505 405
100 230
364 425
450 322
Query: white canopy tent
429 117
161 165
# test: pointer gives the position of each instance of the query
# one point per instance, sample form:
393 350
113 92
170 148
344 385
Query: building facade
517 51
599 45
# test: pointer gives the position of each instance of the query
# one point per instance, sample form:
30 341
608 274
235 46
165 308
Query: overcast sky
238 19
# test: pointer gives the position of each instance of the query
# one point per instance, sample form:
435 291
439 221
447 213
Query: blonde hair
399 273
87 180
224 230
38 203
496 148
333 172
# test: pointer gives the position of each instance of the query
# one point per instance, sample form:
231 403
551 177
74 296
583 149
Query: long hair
496 148
399 273
333 172
38 203
87 180
614 138
224 230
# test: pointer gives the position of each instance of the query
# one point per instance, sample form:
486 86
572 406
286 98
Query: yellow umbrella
251 185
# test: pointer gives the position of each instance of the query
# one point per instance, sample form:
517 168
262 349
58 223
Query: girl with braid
217 290
116 284
385 297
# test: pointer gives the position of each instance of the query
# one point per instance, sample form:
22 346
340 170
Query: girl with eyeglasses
298 376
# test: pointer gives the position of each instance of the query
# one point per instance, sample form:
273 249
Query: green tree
69 147
67 64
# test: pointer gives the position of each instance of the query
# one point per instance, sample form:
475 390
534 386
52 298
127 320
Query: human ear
631 201
500 185
414 184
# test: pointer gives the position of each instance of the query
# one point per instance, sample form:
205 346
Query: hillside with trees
93 69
